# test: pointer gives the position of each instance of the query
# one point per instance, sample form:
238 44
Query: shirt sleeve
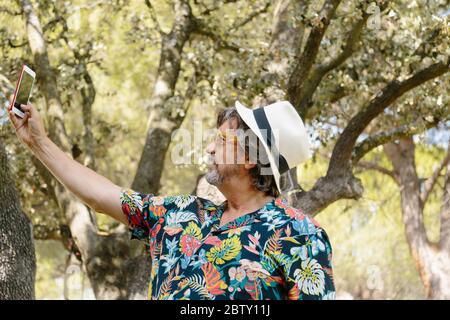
143 212
308 271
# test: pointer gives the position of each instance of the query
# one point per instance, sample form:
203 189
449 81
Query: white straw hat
282 133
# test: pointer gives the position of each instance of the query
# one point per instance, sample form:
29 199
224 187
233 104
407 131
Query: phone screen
23 93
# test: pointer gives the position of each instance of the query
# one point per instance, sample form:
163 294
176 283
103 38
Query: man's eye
221 136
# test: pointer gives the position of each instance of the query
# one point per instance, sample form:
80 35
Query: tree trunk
105 258
445 210
17 257
285 40
432 259
164 117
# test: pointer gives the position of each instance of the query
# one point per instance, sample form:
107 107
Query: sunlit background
122 45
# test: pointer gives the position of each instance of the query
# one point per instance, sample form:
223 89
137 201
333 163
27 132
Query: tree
96 252
432 258
306 77
352 70
17 258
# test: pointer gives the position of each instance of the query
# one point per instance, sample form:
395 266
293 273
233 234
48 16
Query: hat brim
247 116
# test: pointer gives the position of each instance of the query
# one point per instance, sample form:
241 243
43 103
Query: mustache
210 160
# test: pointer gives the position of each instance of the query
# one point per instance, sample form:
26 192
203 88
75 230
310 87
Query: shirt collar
241 221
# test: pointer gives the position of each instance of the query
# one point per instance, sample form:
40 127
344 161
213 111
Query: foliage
118 44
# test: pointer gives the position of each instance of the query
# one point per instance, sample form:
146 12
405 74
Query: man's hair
263 182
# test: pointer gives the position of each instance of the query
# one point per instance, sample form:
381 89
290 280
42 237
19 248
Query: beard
215 177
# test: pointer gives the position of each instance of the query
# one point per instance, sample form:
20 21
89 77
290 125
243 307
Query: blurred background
116 79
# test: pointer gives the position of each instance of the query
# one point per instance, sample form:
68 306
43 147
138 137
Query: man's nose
210 148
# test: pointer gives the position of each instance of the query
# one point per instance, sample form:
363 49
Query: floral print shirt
275 253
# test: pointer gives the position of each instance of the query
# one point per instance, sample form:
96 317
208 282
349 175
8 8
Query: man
251 246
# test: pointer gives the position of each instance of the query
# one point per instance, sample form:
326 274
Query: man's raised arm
91 188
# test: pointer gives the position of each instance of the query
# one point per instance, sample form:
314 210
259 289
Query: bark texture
17 257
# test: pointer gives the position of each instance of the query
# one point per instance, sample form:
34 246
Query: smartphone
22 93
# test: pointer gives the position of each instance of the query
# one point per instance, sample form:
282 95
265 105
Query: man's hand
30 130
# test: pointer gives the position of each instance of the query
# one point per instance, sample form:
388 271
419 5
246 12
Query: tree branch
202 29
373 166
407 130
14 45
431 181
311 85
10 12
239 24
351 41
306 61
154 17
342 152
216 7
423 49
51 23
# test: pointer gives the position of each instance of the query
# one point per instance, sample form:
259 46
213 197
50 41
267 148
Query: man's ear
248 164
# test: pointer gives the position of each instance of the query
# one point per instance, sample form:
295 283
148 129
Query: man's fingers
28 108
13 119
25 107
16 121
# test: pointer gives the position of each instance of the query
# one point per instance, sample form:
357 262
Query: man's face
227 156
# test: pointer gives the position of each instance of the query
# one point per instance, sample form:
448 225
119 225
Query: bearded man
253 245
